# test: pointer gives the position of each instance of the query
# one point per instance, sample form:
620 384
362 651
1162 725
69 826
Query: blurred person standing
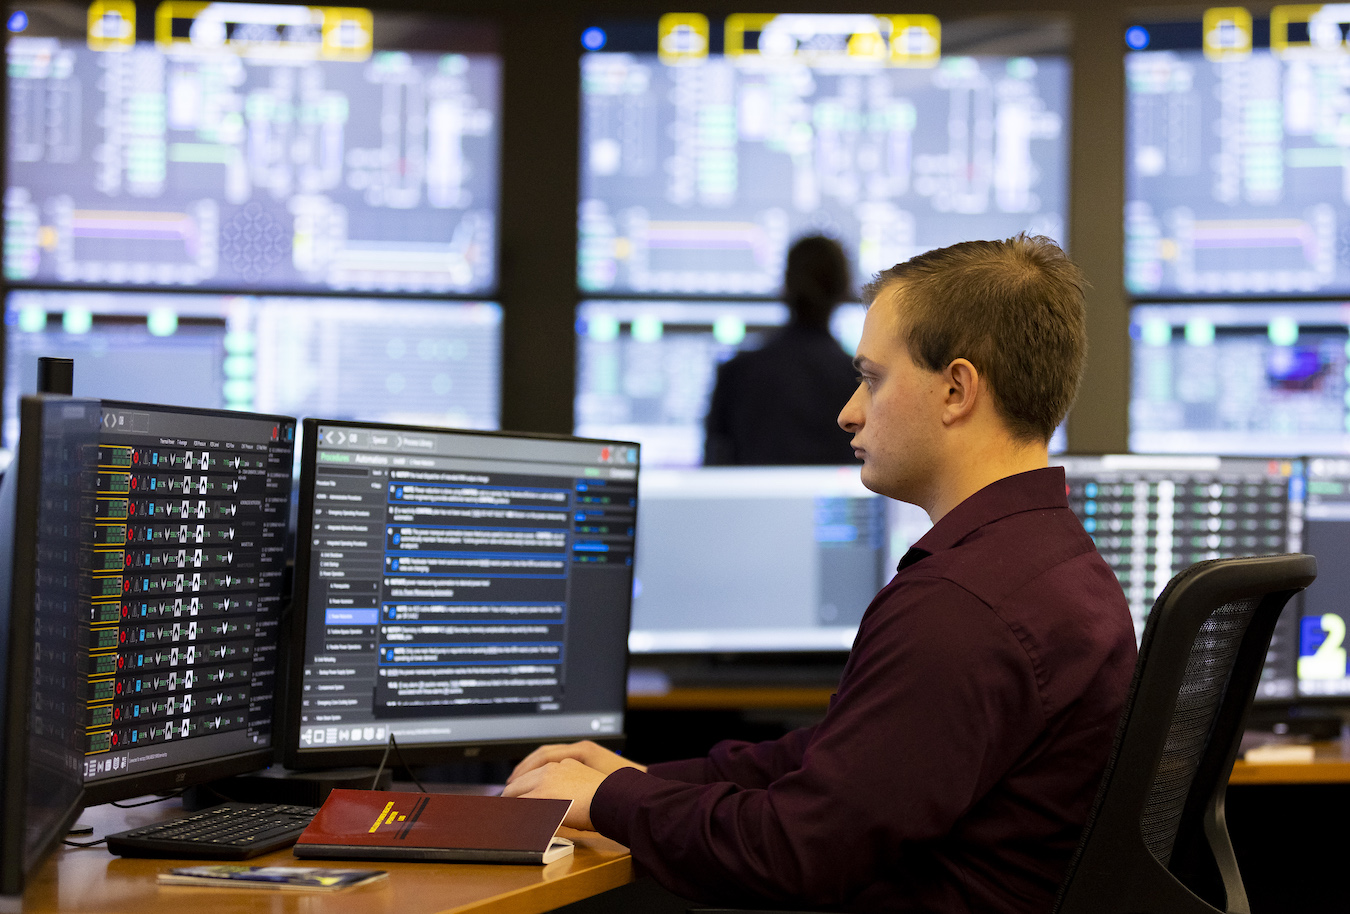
777 404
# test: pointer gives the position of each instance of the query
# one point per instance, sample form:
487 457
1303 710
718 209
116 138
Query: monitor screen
707 147
1322 670
1234 166
1247 378
382 359
42 716
646 369
1152 516
762 559
184 566
464 592
251 146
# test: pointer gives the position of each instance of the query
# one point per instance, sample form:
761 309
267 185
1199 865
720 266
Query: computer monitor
762 559
1233 176
42 716
1240 378
1152 516
434 362
1322 671
240 146
709 145
467 593
184 558
646 369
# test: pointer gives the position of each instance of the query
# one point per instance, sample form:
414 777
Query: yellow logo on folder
388 816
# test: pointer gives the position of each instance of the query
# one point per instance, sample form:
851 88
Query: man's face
895 415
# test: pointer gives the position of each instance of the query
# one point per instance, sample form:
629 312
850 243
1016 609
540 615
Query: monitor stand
283 785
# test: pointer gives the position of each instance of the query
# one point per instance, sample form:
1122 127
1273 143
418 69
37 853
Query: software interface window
1151 517
248 146
460 586
1235 163
707 147
788 558
391 360
184 571
1240 378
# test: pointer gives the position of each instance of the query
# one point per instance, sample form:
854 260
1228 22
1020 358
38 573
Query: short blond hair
1014 308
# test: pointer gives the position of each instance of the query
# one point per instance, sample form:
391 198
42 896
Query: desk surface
92 881
1330 765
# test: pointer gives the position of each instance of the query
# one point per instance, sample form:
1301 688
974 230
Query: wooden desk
92 881
1330 765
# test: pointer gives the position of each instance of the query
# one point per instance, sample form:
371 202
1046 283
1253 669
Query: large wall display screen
1238 160
436 362
1240 378
707 148
253 146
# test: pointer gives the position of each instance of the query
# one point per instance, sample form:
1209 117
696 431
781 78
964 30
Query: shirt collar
1031 491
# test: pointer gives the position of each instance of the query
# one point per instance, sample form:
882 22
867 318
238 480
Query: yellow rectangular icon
682 38
1227 33
112 25
916 41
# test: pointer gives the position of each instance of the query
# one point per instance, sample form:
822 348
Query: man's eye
864 379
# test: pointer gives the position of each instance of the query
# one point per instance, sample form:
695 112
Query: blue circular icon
1137 37
593 39
18 21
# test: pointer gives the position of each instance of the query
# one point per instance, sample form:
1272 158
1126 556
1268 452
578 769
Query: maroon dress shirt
956 764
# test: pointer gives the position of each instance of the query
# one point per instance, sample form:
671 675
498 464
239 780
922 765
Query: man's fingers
536 759
586 752
519 786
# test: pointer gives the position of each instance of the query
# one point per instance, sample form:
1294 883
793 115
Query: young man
959 758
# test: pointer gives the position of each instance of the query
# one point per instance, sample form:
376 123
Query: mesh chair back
1203 686
1156 839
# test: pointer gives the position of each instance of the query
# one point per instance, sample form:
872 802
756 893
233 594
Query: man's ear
964 385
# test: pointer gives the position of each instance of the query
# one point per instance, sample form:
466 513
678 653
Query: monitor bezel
294 626
24 476
189 774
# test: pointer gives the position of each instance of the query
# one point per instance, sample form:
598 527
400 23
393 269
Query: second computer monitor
762 559
466 593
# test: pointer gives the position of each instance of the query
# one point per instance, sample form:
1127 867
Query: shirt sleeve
743 764
938 702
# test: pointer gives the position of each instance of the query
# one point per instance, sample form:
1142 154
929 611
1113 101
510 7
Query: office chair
1156 841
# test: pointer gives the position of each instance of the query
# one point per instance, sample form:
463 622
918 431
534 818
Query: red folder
383 825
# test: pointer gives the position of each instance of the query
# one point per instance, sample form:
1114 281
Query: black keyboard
231 831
